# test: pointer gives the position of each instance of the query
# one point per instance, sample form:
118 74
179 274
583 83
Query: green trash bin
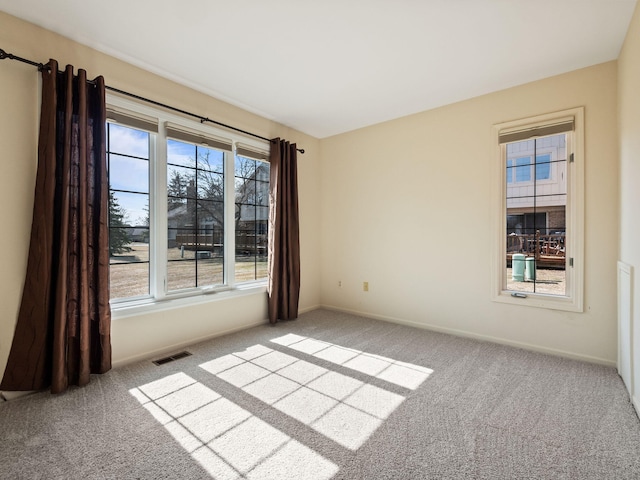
517 267
530 269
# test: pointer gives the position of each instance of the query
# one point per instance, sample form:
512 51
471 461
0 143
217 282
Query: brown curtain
64 321
284 237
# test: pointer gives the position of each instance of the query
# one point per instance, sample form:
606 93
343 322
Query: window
195 216
251 217
181 222
128 159
522 169
539 211
542 166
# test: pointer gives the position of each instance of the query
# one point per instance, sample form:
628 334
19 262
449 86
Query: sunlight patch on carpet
403 374
225 439
342 408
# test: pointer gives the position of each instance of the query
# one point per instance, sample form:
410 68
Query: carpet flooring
331 396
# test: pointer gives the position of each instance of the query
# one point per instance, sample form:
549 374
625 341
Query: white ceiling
329 66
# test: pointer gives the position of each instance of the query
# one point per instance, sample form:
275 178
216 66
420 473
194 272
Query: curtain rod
42 66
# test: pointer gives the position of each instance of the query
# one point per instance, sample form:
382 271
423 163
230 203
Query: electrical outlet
339 283
365 286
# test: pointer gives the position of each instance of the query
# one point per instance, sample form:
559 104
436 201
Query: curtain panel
284 237
64 321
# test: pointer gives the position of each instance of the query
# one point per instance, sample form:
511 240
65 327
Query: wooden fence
246 243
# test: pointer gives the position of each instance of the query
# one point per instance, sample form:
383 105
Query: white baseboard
13 395
466 334
309 309
181 345
635 401
154 353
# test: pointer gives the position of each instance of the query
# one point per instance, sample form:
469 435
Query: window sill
141 307
538 300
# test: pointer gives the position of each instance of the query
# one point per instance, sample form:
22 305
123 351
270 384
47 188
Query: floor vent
177 356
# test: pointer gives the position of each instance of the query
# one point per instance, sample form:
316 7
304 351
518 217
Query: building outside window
251 218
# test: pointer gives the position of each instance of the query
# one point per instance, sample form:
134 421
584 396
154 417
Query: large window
539 211
188 208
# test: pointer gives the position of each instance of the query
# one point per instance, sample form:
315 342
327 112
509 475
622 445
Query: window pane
210 216
543 167
181 244
128 245
210 160
509 171
535 217
245 242
128 141
128 280
210 270
245 268
195 216
523 169
251 216
128 167
181 274
128 209
181 213
245 191
181 182
179 153
261 267
262 218
247 216
129 262
210 185
245 167
262 193
126 173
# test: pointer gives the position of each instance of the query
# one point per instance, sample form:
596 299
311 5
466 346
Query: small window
543 166
523 169
539 211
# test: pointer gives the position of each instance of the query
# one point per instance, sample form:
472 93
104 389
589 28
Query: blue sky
132 174
129 173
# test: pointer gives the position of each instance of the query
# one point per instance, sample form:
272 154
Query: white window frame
159 298
574 273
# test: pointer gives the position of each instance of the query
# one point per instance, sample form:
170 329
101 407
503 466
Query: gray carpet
331 396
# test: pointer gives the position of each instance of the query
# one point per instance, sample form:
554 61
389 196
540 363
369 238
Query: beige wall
133 336
404 205
407 207
629 126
